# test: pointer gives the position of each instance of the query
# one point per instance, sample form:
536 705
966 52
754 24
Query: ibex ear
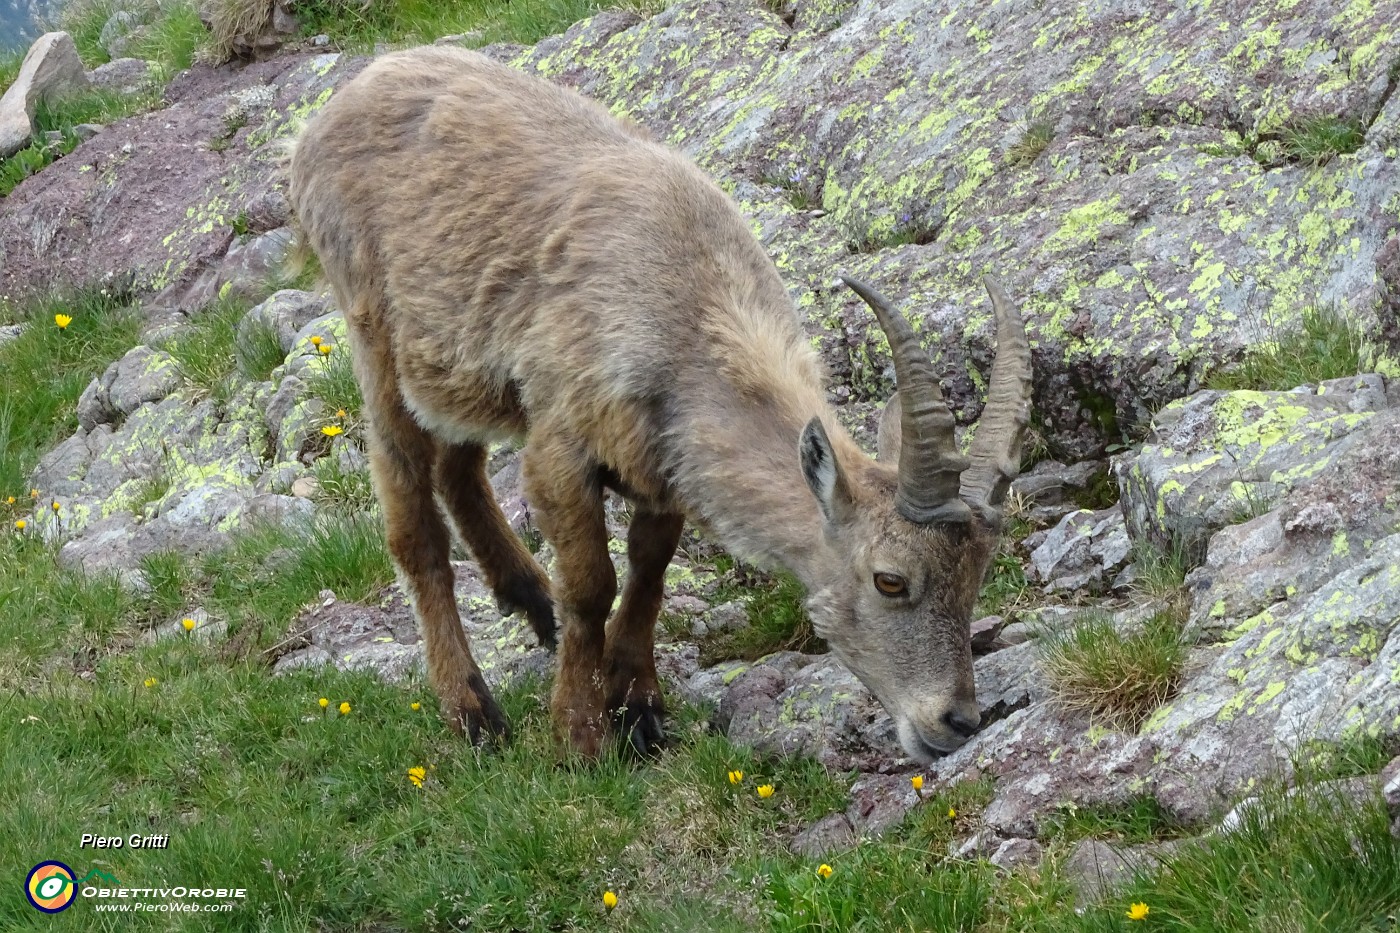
823 473
887 439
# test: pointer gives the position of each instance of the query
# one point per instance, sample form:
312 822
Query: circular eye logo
50 887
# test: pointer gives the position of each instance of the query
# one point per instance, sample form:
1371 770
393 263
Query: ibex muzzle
514 261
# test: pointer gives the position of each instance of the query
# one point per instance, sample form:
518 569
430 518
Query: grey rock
1017 853
1097 869
142 375
50 70
831 834
123 75
1051 483
86 131
284 314
117 32
1084 551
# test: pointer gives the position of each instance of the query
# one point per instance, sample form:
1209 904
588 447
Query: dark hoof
642 722
476 716
528 597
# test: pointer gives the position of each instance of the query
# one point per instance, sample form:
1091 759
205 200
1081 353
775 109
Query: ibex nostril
961 724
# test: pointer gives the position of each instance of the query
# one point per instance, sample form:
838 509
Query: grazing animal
515 262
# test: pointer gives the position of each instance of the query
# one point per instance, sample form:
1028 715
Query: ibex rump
513 261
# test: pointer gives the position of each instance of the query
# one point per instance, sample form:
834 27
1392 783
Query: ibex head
908 537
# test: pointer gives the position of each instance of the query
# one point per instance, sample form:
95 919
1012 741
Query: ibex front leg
634 696
563 486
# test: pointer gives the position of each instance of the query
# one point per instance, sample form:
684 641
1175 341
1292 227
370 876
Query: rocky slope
1169 220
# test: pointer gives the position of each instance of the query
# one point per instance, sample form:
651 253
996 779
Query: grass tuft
260 353
339 487
1317 140
204 349
1326 345
332 380
1036 140
778 621
1122 677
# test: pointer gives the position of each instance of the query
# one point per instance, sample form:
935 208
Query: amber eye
891 584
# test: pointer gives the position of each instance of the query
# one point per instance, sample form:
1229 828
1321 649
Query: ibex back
514 261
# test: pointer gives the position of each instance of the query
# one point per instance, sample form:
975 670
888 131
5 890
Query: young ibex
514 261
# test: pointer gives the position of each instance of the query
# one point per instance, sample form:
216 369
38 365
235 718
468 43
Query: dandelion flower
9 500
824 870
188 624
54 505
331 430
765 791
33 493
150 682
324 702
62 320
21 525
952 814
1138 911
609 900
340 413
735 777
918 781
415 706
344 709
325 349
315 341
416 775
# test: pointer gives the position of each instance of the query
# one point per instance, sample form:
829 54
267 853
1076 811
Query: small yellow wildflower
765 791
9 500
918 781
416 775
21 525
415 706
735 777
62 320
952 814
33 493
1138 911
824 870
315 341
331 430
609 900
150 682
325 349
324 702
188 624
344 709
340 413
54 505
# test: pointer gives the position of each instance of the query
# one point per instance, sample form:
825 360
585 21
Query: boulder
50 70
1085 551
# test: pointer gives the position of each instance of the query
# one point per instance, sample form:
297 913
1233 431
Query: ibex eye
891 584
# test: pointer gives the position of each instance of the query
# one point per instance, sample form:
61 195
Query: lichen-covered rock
1084 551
1217 458
284 313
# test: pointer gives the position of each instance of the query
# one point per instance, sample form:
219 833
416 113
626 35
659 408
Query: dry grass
1117 674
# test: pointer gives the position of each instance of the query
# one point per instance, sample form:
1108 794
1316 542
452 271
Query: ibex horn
929 462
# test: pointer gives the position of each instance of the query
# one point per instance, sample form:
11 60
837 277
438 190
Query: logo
50 887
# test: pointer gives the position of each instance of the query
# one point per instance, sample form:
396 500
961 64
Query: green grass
204 349
1141 819
777 621
1116 676
93 106
261 353
44 370
1036 140
1317 140
332 380
338 487
359 26
1325 345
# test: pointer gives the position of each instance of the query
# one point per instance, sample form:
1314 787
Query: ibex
515 262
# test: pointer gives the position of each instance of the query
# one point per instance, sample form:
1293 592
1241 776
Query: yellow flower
765 791
416 775
415 706
735 777
344 709
324 702
325 349
952 814
609 900
21 525
9 500
331 430
54 505
1138 911
33 493
824 870
918 781
340 413
315 341
62 320
188 624
150 682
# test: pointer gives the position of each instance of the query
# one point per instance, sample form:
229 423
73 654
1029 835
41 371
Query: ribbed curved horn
929 462
996 448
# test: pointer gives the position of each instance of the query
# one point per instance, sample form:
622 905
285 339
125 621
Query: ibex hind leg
517 581
401 456
634 694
